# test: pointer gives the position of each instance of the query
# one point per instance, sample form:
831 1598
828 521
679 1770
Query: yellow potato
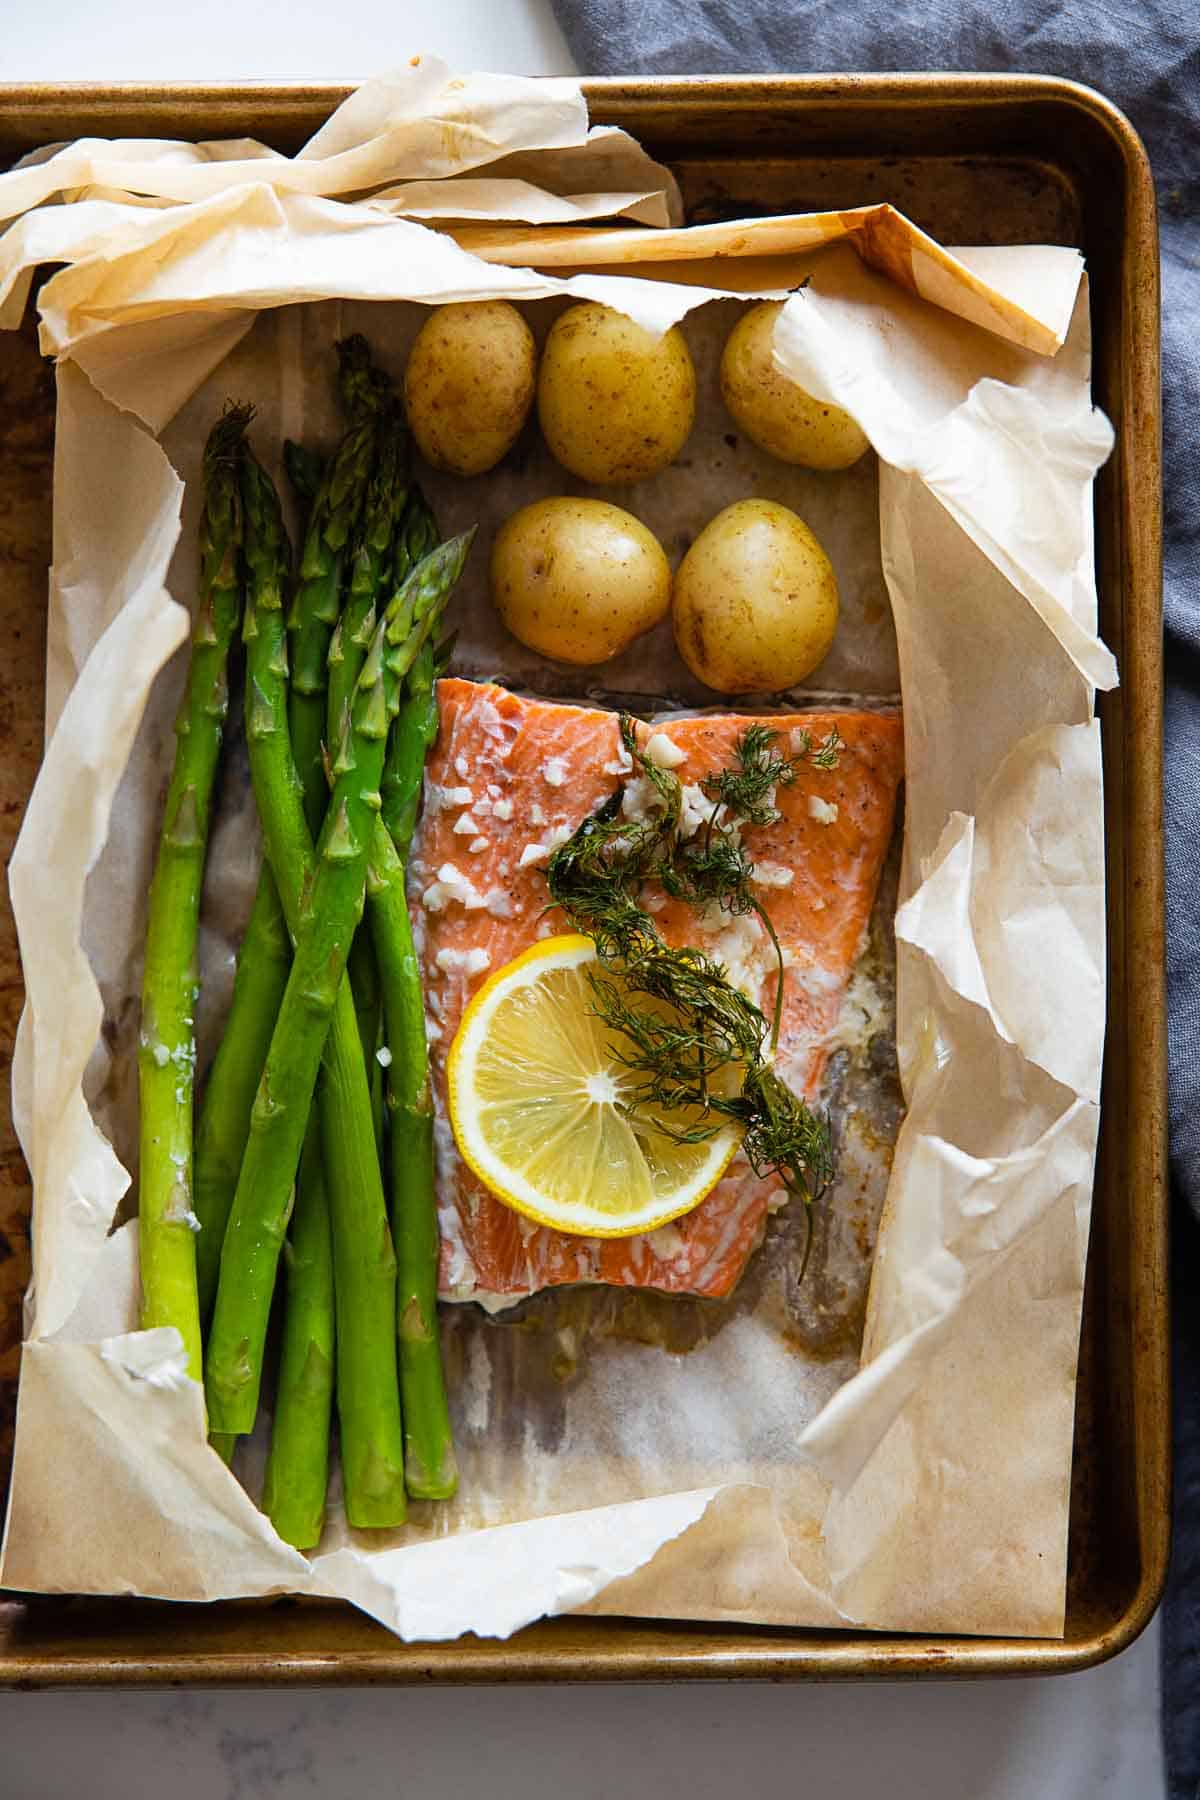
755 602
615 402
578 580
772 410
468 384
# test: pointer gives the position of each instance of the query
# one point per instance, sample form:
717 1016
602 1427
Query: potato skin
578 580
615 403
772 410
469 384
755 600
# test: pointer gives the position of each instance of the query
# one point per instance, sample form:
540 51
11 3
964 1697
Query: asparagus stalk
412 738
368 1391
298 1464
369 564
224 1123
167 1048
333 496
369 568
305 471
368 1388
330 899
421 534
350 1092
363 975
430 1469
429 1450
335 513
404 764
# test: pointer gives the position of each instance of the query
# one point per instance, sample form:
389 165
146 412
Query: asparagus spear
421 534
369 569
412 737
334 515
368 1391
369 566
224 1123
334 494
430 1469
305 470
298 1464
400 789
331 902
297 1473
167 1049
349 530
429 1450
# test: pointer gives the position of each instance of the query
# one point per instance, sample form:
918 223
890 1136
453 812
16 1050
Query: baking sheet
854 1438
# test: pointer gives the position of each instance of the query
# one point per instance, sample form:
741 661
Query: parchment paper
926 1489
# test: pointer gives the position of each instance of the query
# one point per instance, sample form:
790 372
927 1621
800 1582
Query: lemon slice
536 1102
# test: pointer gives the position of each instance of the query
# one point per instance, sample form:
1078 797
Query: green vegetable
330 904
167 1049
331 524
297 1471
421 534
369 569
298 1465
333 495
370 564
368 1389
341 549
416 723
429 1447
305 470
363 976
431 1472
224 1123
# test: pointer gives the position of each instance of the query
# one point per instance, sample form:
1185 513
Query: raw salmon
511 778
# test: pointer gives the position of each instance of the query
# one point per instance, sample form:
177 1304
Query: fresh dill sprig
747 788
691 1046
716 868
695 1045
827 752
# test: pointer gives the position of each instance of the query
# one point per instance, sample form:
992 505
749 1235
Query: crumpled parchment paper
925 1488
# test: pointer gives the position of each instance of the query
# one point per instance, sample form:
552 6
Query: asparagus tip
365 389
225 438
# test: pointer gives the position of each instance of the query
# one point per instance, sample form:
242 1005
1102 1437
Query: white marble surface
226 40
1080 1737
1075 1738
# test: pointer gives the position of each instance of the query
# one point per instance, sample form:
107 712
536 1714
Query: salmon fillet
511 778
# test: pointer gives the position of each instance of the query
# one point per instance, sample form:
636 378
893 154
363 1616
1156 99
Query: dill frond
699 1050
718 869
826 754
747 788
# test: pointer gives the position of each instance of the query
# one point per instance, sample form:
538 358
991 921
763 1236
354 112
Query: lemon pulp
544 1111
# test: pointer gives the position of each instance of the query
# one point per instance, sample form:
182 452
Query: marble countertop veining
1077 1737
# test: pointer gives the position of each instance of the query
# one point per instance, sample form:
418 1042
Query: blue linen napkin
1145 55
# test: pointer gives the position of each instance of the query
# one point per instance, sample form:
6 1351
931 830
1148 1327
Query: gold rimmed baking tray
974 160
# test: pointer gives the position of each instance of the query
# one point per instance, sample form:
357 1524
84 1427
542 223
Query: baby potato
468 384
615 402
578 580
755 602
772 410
